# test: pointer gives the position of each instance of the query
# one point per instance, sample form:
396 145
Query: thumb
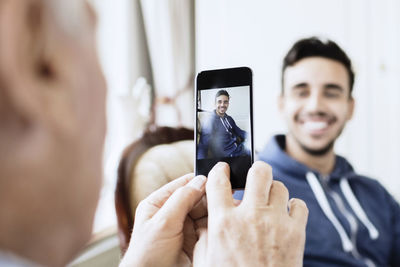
200 250
182 201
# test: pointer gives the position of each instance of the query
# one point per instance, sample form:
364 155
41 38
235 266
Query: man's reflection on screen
220 137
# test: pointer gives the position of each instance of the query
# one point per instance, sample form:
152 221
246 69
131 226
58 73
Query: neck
220 115
324 164
33 229
42 246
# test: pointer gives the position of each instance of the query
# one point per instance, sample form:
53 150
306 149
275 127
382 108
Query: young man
52 128
353 220
220 136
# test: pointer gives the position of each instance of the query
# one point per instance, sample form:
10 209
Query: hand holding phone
224 122
163 233
260 231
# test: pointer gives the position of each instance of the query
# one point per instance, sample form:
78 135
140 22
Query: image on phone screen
224 122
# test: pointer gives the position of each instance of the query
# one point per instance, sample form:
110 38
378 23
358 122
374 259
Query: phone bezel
223 78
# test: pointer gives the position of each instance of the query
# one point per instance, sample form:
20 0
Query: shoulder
364 181
368 184
371 190
230 119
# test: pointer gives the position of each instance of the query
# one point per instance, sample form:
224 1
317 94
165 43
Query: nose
314 102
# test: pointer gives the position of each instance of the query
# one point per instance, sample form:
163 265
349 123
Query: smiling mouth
317 126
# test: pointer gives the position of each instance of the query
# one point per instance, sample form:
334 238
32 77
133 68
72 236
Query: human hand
260 231
164 234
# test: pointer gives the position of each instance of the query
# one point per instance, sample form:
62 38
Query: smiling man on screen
220 136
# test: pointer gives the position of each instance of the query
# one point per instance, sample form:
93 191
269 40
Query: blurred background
151 50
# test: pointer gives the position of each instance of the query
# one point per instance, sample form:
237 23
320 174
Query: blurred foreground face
52 106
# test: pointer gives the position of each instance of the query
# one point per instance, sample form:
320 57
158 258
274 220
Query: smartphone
224 122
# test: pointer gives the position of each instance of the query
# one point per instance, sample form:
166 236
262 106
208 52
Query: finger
151 204
298 210
200 249
200 209
201 223
258 184
190 237
182 201
218 188
279 196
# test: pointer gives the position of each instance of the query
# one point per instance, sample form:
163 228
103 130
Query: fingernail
198 182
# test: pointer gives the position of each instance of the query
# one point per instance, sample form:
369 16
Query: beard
317 152
321 151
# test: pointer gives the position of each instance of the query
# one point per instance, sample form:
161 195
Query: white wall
258 33
124 58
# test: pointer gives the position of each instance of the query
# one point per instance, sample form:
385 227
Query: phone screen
224 128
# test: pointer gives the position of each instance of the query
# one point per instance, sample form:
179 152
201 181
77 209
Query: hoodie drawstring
227 121
227 125
326 208
358 210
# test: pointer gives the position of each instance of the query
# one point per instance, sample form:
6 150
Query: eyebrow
300 85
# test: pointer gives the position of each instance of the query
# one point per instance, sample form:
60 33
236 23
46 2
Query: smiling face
316 103
221 104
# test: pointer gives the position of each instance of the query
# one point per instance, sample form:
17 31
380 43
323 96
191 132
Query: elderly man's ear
46 64
25 66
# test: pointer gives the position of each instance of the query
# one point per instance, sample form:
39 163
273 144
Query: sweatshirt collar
275 153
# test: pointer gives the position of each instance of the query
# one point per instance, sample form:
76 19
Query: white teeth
315 125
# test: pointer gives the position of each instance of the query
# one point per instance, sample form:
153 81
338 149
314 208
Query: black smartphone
224 122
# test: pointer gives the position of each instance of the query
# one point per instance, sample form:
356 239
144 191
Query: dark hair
222 92
315 47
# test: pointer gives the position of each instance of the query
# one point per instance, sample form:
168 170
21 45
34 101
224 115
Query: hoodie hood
274 154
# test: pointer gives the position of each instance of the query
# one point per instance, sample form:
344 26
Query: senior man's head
52 127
